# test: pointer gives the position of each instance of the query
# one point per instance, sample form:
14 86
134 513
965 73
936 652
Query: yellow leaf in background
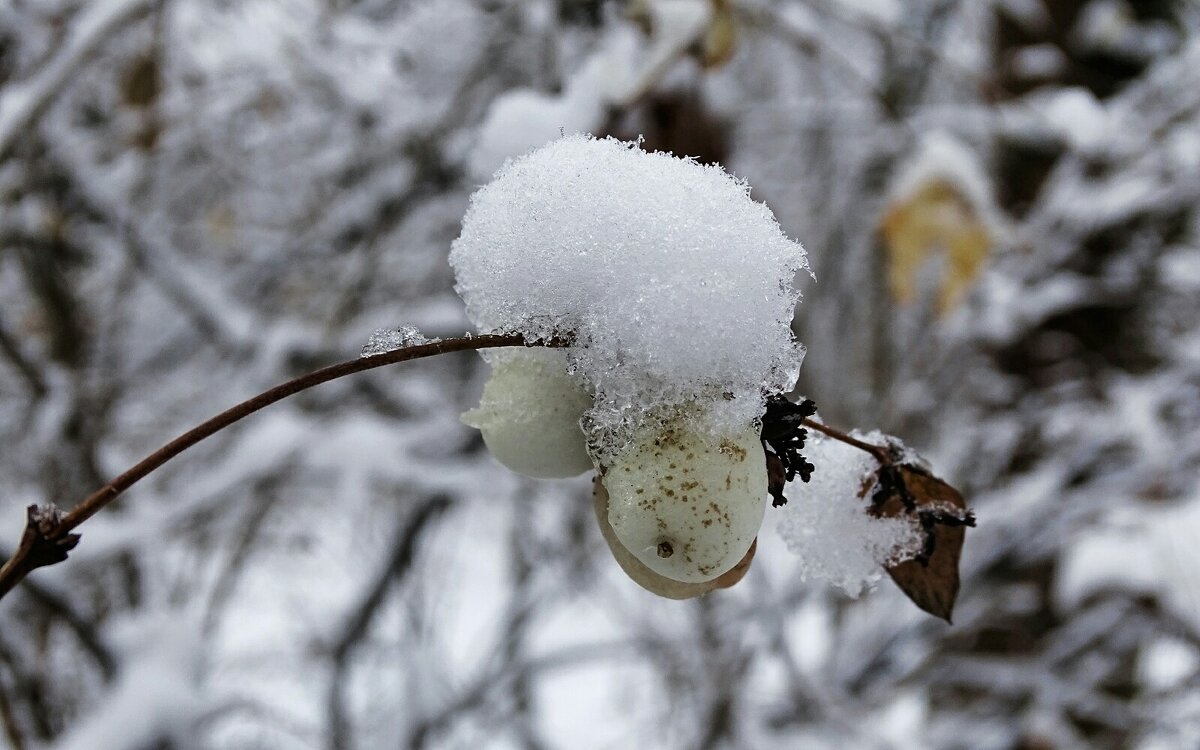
222 223
720 38
935 220
638 13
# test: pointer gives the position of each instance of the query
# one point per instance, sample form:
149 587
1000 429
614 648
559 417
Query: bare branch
881 454
29 372
48 537
359 620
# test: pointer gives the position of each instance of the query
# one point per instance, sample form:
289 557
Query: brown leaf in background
930 580
141 82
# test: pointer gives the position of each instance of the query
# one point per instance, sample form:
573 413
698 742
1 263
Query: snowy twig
28 371
357 623
48 537
882 455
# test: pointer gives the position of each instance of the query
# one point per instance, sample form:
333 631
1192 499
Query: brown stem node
42 543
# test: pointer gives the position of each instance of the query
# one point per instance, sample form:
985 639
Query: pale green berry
647 578
529 414
688 504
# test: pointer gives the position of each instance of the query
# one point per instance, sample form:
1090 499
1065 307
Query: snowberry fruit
647 578
688 504
529 414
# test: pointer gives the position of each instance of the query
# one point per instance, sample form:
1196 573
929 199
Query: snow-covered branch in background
21 103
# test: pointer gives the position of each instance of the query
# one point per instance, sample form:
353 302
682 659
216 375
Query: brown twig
47 538
359 619
41 545
881 454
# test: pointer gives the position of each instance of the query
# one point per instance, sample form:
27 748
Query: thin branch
29 372
359 620
48 537
8 720
98 499
48 531
881 454
85 630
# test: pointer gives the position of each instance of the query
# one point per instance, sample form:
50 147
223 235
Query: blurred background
200 199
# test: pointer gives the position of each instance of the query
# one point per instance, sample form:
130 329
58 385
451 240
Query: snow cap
675 285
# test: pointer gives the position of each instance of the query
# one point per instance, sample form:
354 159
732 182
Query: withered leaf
783 439
937 217
930 580
719 41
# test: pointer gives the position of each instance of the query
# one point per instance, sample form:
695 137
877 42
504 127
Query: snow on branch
21 104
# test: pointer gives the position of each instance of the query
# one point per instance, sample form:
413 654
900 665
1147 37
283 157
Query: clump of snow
1076 116
524 118
1144 548
618 72
386 340
826 524
1030 14
1166 663
1112 27
1039 61
674 285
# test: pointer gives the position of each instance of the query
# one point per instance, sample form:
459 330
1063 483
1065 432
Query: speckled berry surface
688 504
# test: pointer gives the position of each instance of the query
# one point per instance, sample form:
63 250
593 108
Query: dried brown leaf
930 582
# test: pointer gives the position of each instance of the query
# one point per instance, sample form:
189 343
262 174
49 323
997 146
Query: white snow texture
826 524
675 286
385 340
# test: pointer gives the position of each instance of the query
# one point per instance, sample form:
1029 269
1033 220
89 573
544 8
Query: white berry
647 578
529 414
687 504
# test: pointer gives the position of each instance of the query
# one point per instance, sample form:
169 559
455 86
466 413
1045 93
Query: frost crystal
390 339
673 283
826 523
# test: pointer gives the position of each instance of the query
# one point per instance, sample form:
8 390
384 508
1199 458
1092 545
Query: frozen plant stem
881 454
48 538
48 533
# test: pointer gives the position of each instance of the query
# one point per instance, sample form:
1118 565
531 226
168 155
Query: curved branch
48 538
880 453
